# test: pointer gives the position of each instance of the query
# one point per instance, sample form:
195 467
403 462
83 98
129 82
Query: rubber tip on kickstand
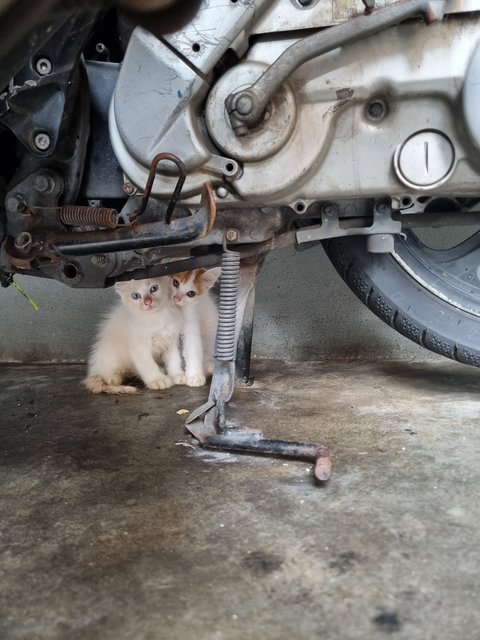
323 466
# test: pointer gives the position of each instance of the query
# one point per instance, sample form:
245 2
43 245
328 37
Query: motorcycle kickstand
208 423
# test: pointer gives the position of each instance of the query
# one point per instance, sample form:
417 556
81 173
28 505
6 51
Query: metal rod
244 343
151 178
438 220
242 441
246 107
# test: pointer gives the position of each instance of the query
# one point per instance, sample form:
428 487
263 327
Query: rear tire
401 301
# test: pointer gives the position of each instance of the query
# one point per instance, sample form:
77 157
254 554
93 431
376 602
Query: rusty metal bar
151 178
139 236
245 441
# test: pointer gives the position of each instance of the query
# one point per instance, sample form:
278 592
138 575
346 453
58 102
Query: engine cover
379 116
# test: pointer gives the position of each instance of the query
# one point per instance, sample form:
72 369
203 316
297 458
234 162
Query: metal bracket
383 224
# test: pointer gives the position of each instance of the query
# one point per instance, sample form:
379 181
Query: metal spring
227 306
78 216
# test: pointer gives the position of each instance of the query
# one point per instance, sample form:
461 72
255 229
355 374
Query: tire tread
350 269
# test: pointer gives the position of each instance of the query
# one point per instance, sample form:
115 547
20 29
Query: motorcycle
162 136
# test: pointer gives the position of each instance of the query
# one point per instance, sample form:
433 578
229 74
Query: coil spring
227 306
79 216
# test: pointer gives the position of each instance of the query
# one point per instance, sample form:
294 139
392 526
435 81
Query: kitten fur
190 292
135 335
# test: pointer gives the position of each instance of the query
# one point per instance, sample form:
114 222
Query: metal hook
151 177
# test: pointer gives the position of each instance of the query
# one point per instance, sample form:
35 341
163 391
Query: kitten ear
210 276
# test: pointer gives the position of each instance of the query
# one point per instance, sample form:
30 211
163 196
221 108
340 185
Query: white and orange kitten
190 292
143 329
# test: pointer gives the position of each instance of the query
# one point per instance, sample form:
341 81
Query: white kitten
143 328
190 292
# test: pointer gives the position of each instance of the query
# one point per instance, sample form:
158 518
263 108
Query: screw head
16 203
23 240
329 209
376 109
43 183
43 66
221 192
99 260
382 207
42 141
244 104
231 235
128 188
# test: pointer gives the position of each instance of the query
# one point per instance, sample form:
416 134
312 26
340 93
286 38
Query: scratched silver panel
335 150
289 16
326 147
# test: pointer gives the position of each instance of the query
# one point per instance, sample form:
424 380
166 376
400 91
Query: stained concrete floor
115 525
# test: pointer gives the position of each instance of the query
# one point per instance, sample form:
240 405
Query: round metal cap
425 160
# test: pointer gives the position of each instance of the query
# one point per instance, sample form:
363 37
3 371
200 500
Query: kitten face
143 295
188 286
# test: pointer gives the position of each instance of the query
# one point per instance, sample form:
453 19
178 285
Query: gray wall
304 311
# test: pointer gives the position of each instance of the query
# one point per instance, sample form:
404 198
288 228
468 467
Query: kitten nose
147 301
178 297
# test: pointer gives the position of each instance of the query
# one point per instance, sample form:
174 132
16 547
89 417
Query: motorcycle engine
390 114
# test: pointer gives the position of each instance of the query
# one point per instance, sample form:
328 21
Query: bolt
43 183
99 261
376 109
43 66
231 235
42 141
382 207
16 203
329 210
221 192
129 188
244 104
23 240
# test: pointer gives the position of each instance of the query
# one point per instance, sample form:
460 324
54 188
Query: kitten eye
154 288
191 294
176 283
136 295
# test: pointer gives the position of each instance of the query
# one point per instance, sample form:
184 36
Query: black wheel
429 295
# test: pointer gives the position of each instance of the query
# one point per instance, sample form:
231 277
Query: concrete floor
115 525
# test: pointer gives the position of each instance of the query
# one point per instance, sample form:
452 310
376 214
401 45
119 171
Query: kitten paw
180 379
196 381
160 383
